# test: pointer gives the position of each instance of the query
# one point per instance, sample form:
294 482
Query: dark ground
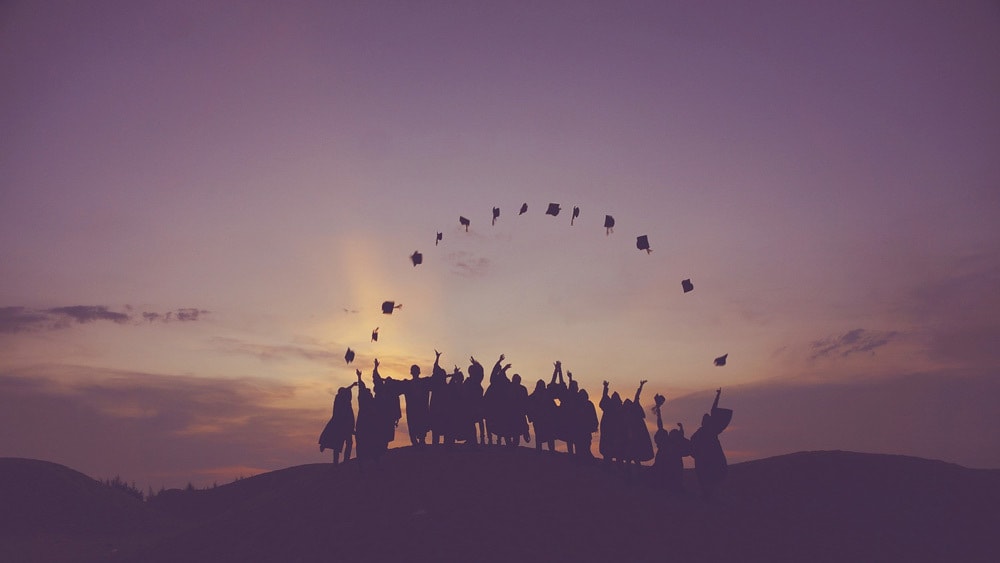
435 504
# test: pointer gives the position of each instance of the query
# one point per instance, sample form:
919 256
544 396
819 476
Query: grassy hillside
436 504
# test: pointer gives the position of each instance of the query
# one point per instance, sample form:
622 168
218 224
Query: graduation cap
496 215
609 224
438 239
524 209
576 213
388 306
464 222
721 360
349 356
642 243
375 335
417 258
553 209
687 285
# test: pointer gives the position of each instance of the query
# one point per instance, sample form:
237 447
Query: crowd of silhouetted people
455 408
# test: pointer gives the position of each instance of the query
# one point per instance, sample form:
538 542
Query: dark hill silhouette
500 504
49 512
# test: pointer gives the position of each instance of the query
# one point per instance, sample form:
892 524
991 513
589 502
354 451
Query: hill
435 504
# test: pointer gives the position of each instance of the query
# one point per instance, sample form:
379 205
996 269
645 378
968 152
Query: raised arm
604 395
359 383
375 375
498 368
659 420
557 370
638 391
438 370
718 392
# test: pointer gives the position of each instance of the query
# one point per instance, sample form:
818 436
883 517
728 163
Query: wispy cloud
23 319
468 265
852 342
277 352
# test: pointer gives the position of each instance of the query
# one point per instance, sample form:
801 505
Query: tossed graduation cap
417 258
721 360
576 213
609 224
388 306
687 285
464 222
553 209
642 243
438 239
524 209
375 335
349 356
496 215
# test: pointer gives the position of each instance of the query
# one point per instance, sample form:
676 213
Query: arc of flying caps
389 306
642 243
576 213
721 360
553 209
524 209
609 224
440 236
417 258
464 222
349 356
496 215
687 285
375 335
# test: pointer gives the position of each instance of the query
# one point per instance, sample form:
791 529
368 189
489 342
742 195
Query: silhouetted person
671 447
417 392
558 391
709 459
370 429
541 412
387 392
519 410
584 425
338 434
438 408
496 401
474 398
638 446
567 415
458 425
612 443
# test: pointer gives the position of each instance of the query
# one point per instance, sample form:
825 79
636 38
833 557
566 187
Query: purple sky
202 206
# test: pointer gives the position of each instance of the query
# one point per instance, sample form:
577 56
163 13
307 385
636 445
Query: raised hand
641 383
376 362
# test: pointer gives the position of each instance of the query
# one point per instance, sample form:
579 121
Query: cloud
272 352
851 342
23 319
89 313
154 429
467 265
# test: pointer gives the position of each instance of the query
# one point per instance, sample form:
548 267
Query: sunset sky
203 204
